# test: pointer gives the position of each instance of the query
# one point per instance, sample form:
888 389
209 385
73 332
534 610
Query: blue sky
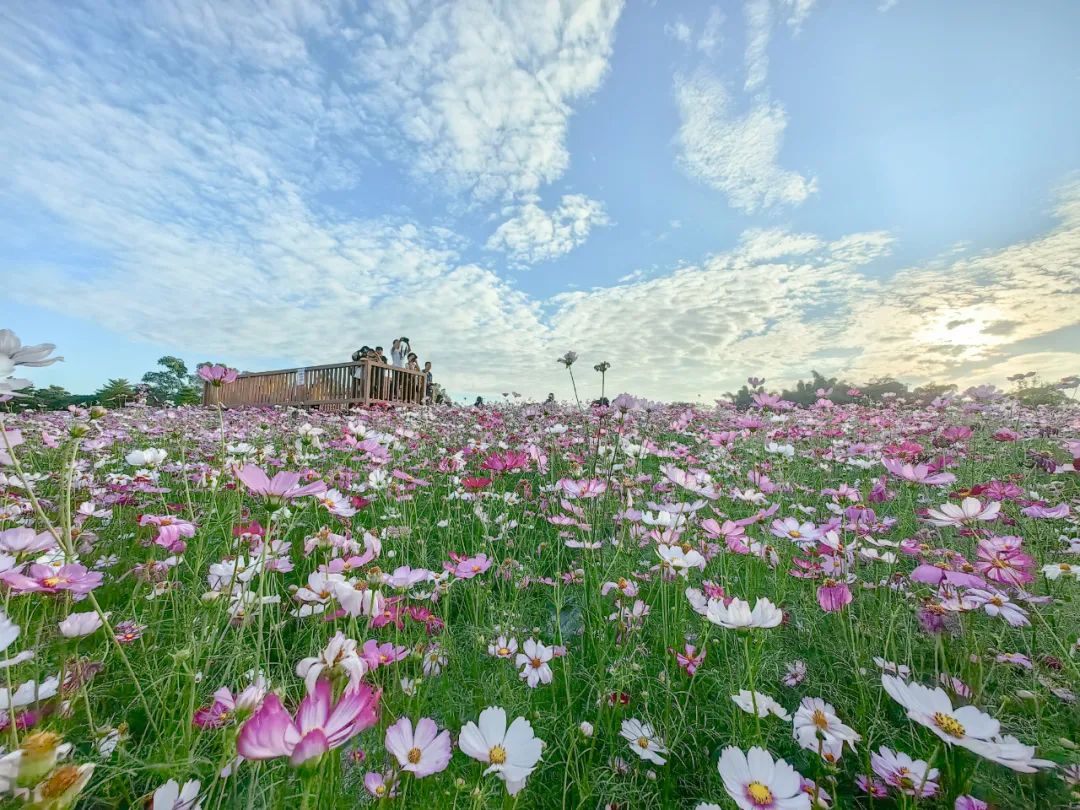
695 192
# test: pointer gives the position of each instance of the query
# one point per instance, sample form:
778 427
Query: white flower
533 659
643 740
340 654
150 457
1056 570
511 753
738 616
969 510
966 726
29 692
755 781
785 450
9 631
746 699
171 796
586 728
816 722
13 353
77 625
680 561
503 647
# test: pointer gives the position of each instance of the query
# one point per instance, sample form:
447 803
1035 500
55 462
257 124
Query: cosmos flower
46 579
755 781
283 487
533 660
643 740
912 777
150 458
13 353
339 656
503 647
510 753
320 724
77 625
760 704
217 375
423 752
970 511
171 796
967 726
816 722
738 616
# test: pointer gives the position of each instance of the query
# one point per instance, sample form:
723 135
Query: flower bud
586 728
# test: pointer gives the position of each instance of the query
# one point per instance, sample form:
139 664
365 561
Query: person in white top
398 353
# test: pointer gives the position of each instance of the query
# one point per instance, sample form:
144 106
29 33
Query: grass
538 587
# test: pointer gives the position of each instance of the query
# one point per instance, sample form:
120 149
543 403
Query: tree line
170 383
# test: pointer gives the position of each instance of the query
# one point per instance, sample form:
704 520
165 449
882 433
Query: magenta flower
423 752
379 655
510 461
833 596
471 566
938 574
689 659
320 725
46 579
283 487
217 375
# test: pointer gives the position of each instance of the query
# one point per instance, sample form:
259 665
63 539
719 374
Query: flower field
634 606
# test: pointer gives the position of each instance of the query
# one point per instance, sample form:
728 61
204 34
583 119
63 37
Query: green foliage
52 398
173 384
115 393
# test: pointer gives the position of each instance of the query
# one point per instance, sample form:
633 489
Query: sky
693 192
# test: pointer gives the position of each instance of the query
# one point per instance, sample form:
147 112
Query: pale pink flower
421 752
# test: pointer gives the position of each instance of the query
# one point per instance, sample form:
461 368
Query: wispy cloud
736 153
534 235
478 95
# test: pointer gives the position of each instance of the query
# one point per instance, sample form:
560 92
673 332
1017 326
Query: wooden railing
339 384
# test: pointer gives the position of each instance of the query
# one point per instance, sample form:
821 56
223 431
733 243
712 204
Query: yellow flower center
820 720
50 582
949 724
759 794
60 781
794 533
497 755
1065 567
414 755
503 652
643 742
536 663
40 743
380 790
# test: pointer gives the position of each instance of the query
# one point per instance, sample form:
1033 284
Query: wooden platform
336 385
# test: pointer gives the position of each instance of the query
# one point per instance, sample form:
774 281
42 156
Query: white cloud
798 11
735 153
478 94
534 235
679 31
709 39
758 31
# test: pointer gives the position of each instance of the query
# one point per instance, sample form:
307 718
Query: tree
53 398
172 383
115 393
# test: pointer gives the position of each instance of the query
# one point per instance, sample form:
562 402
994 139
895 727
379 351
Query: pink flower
46 579
509 461
320 725
77 625
969 803
170 530
1002 560
379 655
25 541
587 488
217 375
471 566
226 706
937 574
423 752
688 660
1039 511
916 473
833 596
281 488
